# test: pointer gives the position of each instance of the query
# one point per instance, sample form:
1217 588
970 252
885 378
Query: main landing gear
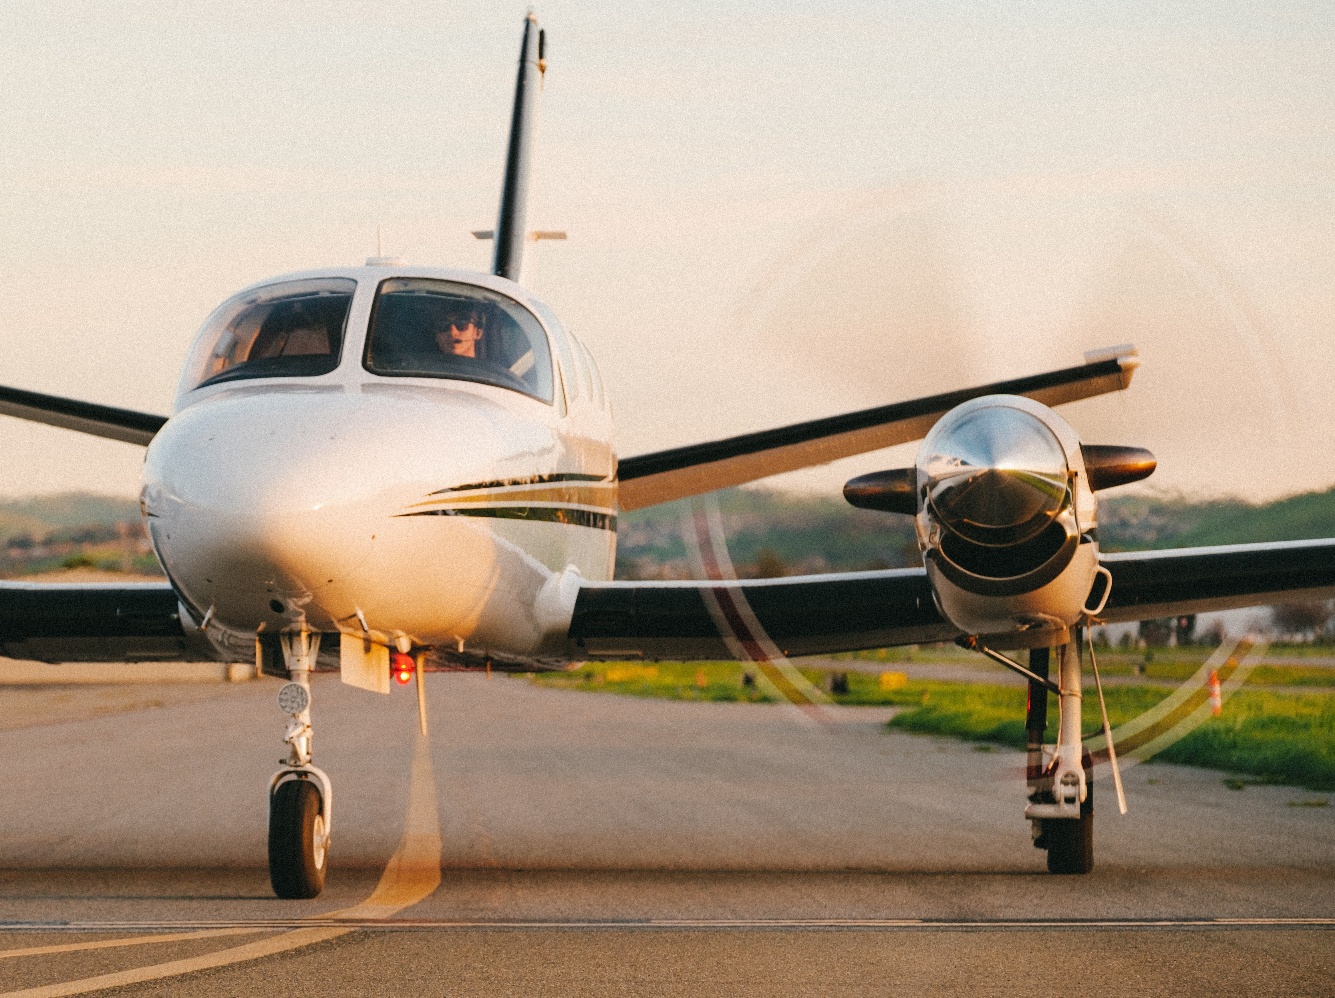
1061 792
300 795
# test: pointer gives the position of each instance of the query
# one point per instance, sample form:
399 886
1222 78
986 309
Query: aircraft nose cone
996 475
265 502
259 504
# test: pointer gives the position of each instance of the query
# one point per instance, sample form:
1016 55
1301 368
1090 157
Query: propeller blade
1108 465
894 491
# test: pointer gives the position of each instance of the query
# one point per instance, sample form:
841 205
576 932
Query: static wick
379 250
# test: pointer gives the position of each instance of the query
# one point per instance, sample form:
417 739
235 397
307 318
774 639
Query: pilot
459 332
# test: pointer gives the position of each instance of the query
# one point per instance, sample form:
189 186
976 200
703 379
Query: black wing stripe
85 417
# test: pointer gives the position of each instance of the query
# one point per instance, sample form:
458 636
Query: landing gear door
363 664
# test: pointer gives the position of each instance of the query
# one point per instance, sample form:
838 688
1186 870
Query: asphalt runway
552 842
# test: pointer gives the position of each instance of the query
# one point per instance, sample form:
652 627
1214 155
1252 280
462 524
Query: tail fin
510 231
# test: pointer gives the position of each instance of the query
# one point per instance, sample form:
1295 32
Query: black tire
297 841
1070 843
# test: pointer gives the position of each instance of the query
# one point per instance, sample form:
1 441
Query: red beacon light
402 667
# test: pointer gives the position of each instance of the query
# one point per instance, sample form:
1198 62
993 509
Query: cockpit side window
423 328
290 329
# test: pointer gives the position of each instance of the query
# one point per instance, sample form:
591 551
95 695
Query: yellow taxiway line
412 874
168 937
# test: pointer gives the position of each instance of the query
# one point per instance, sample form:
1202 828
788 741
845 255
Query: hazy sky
776 211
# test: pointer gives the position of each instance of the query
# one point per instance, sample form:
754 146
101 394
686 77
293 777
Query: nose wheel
298 839
1061 800
1070 841
300 794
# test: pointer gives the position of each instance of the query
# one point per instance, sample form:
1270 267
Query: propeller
896 490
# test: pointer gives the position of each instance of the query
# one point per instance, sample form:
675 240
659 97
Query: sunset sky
776 211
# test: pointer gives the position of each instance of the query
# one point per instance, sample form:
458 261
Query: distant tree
1213 635
769 565
1155 633
1185 629
1303 619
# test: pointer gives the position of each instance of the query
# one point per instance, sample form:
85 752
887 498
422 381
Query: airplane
386 468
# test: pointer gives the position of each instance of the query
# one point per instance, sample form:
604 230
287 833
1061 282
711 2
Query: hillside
73 530
818 534
1136 522
38 517
769 532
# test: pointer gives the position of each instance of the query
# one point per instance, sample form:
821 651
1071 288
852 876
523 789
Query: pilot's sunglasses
462 323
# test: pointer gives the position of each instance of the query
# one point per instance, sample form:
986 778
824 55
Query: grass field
1269 737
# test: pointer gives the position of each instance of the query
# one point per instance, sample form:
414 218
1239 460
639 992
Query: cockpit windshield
290 329
443 329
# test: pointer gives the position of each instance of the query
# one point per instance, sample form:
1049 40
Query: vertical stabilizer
510 224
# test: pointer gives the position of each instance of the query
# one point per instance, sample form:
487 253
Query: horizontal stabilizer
536 235
86 417
666 475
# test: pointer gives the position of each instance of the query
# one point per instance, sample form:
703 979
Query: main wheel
298 840
1070 842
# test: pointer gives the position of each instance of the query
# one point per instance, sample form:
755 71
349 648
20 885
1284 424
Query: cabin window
285 330
422 328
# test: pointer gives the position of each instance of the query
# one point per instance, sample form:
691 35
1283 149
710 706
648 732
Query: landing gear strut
300 795
1061 793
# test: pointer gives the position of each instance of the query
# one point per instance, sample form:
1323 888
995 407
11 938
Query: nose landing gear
300 794
1061 798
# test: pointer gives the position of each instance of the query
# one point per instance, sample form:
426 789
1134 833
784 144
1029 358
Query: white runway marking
259 925
412 874
171 937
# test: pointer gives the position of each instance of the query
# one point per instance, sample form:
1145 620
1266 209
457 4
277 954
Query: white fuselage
422 509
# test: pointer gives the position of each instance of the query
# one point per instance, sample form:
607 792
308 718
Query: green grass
663 680
1284 738
1268 737
1165 665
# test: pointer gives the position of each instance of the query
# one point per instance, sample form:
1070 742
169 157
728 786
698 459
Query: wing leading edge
107 421
663 476
1197 580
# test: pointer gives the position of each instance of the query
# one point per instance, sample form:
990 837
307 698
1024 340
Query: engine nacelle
1002 497
1007 521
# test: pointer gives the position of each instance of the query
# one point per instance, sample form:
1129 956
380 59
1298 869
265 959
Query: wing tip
1125 354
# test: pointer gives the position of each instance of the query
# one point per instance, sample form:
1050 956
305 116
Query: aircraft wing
802 615
63 622
663 476
85 417
1150 584
824 614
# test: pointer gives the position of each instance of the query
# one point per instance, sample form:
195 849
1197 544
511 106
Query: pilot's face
459 337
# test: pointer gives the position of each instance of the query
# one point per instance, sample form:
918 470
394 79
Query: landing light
401 667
